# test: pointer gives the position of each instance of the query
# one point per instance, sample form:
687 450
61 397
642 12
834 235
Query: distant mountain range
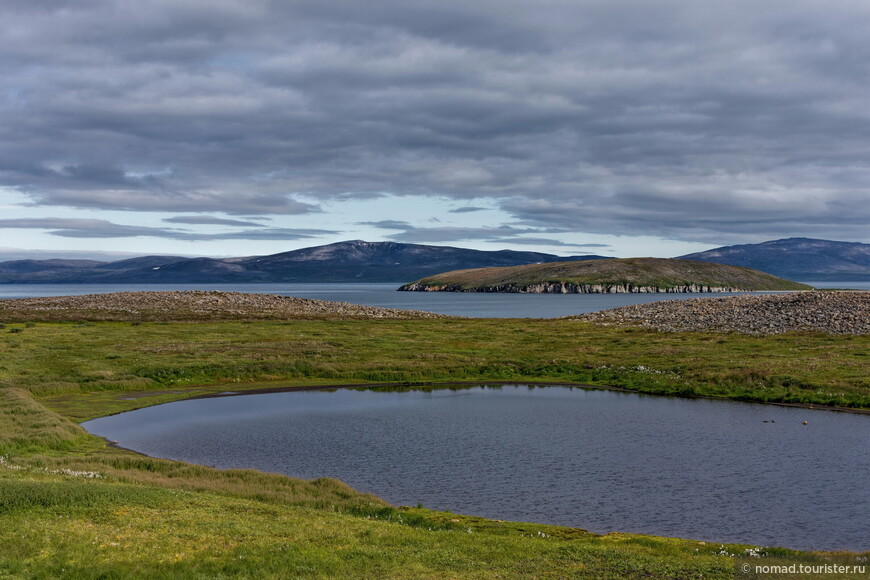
801 259
351 261
358 261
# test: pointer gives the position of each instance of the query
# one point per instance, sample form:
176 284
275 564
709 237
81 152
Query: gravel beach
189 305
829 312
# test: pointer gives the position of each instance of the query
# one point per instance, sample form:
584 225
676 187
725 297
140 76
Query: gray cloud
724 122
87 228
388 225
513 241
7 254
446 234
266 234
547 242
468 209
96 228
210 220
500 234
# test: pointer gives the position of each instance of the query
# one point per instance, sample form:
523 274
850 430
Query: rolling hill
797 258
360 261
350 261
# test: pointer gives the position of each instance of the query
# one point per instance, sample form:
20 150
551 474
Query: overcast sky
243 127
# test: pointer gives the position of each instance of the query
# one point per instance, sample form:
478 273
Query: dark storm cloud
718 122
96 228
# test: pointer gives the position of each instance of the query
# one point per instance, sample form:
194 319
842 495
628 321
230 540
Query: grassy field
54 360
72 506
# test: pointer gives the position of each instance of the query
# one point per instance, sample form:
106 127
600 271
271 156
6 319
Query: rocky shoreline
569 288
189 305
842 312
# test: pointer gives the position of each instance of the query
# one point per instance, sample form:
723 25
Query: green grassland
73 506
54 360
661 273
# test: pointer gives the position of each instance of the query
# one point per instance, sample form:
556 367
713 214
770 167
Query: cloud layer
712 122
97 228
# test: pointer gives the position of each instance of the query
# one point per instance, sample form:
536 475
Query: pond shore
425 386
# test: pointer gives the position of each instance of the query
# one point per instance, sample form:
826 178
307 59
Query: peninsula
631 275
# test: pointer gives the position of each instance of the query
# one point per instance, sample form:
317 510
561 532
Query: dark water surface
473 304
594 459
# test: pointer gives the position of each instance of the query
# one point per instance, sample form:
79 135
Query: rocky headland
610 276
572 288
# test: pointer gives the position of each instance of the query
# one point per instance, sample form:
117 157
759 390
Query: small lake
601 460
481 305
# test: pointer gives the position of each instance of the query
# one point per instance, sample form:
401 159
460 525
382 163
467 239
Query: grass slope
72 506
661 273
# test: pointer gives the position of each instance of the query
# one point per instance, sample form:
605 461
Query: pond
596 459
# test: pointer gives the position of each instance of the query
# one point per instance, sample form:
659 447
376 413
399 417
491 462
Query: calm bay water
385 295
594 459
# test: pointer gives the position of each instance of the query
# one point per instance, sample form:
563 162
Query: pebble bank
820 311
189 305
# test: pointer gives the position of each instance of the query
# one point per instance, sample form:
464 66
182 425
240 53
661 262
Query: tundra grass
164 361
71 506
64 528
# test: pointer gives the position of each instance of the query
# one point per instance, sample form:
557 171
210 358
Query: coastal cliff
613 276
571 288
